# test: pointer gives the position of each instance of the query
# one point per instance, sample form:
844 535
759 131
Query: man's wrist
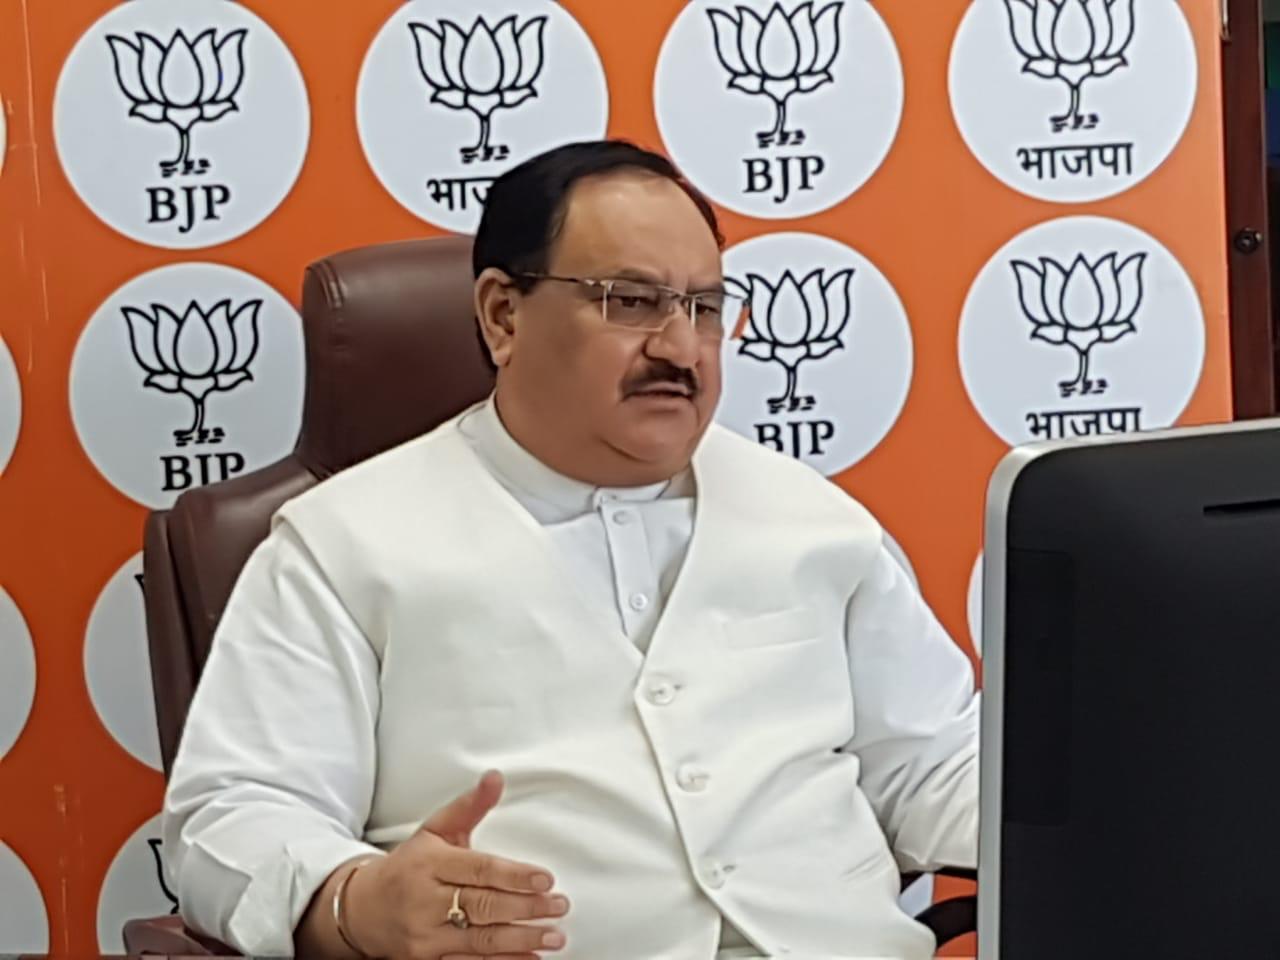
349 908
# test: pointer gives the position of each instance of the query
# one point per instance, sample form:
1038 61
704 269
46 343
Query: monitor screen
1131 714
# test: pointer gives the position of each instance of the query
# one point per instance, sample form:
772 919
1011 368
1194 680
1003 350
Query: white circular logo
117 664
10 405
24 923
1073 100
136 886
822 367
187 375
181 125
454 92
779 111
973 606
17 677
1078 327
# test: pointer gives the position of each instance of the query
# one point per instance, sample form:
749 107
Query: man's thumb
454 822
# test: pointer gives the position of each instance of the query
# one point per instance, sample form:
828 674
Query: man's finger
492 956
502 939
466 868
455 821
485 906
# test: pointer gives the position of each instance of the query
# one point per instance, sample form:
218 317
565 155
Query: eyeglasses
648 307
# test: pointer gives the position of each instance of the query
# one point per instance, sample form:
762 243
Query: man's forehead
635 222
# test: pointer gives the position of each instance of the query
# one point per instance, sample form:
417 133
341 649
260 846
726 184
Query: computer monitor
1131 705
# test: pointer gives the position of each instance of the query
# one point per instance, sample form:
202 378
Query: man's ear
495 301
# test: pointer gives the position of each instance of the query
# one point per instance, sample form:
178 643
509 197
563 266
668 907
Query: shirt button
692 779
623 517
661 692
638 602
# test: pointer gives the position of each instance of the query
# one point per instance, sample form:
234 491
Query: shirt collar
547 494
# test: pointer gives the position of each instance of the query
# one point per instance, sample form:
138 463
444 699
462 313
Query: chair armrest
950 919
166 936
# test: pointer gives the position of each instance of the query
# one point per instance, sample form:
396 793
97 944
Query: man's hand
397 905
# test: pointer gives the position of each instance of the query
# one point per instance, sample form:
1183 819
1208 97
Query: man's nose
677 342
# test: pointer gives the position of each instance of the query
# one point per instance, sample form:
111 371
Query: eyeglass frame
688 301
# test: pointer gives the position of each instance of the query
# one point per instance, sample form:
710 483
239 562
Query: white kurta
288 762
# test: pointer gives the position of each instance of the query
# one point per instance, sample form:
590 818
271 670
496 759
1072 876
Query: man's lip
660 390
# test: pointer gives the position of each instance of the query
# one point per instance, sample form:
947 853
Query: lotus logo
794 321
1081 307
181 84
196 354
488 69
155 845
1071 41
778 56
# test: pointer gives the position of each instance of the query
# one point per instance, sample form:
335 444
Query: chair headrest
391 348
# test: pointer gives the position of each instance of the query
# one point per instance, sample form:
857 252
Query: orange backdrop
931 217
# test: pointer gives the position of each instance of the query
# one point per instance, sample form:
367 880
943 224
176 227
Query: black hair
526 206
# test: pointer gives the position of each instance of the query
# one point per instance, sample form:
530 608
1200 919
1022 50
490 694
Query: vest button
692 779
715 875
660 693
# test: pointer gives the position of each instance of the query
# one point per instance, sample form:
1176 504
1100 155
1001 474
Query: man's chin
662 447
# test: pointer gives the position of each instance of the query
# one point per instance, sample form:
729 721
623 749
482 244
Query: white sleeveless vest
660 790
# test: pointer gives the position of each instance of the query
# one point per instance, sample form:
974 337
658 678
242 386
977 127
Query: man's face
597 401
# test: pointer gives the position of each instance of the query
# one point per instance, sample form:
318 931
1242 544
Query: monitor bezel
1000 488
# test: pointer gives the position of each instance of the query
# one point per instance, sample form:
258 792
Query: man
576 672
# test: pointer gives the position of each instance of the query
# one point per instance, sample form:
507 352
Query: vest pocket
776 628
876 862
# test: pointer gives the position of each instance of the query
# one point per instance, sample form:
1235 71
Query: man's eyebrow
634 273
716 286
646 276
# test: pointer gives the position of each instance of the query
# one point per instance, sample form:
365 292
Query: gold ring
457 916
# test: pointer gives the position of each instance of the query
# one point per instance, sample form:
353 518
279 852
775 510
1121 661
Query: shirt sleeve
271 787
915 722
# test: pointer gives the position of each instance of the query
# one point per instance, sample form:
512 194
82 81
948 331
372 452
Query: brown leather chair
391 353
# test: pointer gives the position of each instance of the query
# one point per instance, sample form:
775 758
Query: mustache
662 373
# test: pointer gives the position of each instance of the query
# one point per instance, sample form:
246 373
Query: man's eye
629 301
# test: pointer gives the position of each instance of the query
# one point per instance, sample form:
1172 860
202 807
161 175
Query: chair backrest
391 353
